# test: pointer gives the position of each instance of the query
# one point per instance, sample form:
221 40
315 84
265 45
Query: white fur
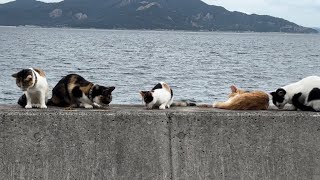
37 95
304 86
85 102
161 98
88 104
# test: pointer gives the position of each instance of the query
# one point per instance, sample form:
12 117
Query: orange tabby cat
244 100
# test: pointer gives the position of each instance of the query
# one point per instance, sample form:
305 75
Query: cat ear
233 88
15 75
281 92
111 88
29 77
273 93
108 90
96 87
142 93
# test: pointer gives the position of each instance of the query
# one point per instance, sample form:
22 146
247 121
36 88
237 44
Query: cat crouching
160 96
34 84
303 94
244 100
75 91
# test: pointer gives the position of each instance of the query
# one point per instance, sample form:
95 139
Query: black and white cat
161 95
304 94
34 84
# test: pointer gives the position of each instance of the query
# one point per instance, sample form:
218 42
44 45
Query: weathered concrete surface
246 145
129 142
59 145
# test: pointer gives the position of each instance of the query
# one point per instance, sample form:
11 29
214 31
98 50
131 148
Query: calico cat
244 100
161 95
74 91
304 94
34 84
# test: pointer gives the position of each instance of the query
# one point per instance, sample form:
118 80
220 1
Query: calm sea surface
199 66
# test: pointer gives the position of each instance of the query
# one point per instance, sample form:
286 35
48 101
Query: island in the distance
140 14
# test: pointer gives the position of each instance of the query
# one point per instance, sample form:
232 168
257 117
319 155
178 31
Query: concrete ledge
129 142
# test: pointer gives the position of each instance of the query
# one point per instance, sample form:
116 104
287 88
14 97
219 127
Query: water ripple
200 66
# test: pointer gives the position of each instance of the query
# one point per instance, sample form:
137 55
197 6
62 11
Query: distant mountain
140 14
317 28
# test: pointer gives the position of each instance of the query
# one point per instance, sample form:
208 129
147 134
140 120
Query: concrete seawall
129 142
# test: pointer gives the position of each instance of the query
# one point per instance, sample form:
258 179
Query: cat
161 95
244 100
75 91
34 84
303 95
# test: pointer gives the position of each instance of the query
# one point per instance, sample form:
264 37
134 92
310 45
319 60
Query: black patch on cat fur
24 73
171 93
299 105
76 92
278 96
158 86
314 94
147 97
105 92
22 100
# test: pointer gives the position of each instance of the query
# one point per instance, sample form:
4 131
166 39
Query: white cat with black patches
34 84
304 94
161 95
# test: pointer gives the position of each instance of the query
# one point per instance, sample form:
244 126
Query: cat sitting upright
34 84
74 91
304 94
161 95
244 100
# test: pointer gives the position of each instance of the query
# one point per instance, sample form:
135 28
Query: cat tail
22 101
299 105
205 105
183 104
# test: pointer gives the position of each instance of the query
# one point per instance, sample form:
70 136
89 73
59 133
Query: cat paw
96 105
28 106
43 107
88 106
162 107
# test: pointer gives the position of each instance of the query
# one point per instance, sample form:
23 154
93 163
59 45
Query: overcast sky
302 12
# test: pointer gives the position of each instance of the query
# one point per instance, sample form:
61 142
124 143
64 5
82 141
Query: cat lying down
244 100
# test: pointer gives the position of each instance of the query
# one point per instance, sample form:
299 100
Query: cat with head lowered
160 96
34 84
244 100
303 94
75 91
